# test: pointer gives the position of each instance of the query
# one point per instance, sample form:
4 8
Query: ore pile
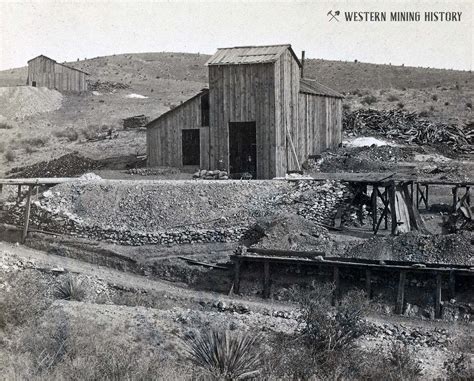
135 121
362 159
187 211
211 175
69 165
415 247
291 232
409 128
105 86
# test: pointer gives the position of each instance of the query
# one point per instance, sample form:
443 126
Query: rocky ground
156 315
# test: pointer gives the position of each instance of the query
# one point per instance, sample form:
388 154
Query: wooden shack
46 72
258 117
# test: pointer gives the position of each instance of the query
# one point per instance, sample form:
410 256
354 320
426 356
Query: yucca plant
225 355
71 288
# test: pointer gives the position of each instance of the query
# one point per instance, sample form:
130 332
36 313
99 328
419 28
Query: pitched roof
310 86
69 67
202 92
249 55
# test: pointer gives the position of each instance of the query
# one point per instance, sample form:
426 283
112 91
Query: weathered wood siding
164 137
48 73
320 120
287 84
243 93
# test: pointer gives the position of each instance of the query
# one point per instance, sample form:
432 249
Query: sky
69 29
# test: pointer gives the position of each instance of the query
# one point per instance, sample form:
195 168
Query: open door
191 147
242 150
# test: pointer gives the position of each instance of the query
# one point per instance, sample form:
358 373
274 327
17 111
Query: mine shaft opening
191 148
243 150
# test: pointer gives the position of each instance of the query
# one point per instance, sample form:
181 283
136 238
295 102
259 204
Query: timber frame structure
336 265
258 116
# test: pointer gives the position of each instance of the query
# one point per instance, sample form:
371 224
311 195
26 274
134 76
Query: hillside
152 83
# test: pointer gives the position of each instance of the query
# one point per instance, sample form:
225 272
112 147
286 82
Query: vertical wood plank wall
243 93
164 142
320 122
48 73
267 93
287 84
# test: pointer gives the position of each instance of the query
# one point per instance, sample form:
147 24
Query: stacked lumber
410 128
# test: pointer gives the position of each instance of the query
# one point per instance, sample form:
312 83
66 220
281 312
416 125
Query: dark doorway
191 147
242 149
33 83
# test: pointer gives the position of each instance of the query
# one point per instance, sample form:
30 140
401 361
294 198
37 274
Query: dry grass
70 134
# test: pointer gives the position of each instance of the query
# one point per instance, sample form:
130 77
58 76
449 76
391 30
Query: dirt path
45 261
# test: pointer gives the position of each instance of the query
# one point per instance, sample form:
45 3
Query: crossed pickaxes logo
334 15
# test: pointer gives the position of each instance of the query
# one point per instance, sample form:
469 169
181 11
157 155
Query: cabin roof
249 55
69 67
310 86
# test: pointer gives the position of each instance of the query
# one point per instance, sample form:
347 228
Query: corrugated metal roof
249 55
310 86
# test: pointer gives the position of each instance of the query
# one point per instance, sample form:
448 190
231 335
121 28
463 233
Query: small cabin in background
258 116
46 72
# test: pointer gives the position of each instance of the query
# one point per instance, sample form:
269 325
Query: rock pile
415 247
316 201
135 121
69 165
410 128
106 86
211 175
153 171
412 336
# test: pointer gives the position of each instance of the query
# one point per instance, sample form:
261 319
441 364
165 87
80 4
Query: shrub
5 126
34 142
71 288
446 103
69 133
24 300
400 105
432 108
225 355
457 367
469 105
424 114
29 149
2 147
369 99
392 98
10 155
434 97
346 107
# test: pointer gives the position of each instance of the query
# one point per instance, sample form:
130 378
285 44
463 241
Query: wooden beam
368 283
455 198
391 199
237 263
375 190
266 279
337 285
438 296
452 285
19 193
27 214
400 293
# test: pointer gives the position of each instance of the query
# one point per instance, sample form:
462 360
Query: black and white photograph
236 190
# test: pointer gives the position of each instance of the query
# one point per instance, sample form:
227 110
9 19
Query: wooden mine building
258 116
46 72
